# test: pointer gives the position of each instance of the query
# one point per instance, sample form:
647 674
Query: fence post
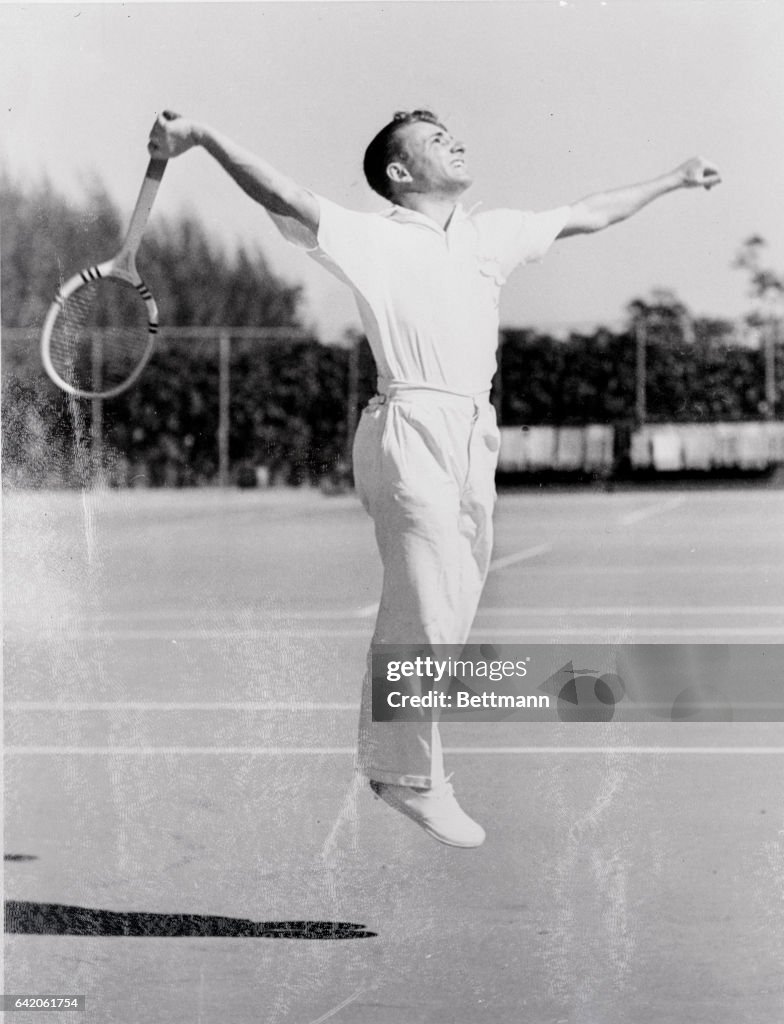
687 328
224 399
498 380
640 334
352 399
769 345
96 411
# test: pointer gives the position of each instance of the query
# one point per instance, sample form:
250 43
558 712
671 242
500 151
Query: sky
554 100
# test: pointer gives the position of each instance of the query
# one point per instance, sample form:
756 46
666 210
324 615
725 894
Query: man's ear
398 173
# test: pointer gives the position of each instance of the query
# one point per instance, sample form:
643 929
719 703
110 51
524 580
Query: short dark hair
384 149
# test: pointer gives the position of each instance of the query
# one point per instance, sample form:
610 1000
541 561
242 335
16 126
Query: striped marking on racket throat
146 294
90 274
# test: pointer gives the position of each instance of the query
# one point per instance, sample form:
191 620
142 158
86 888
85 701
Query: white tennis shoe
435 810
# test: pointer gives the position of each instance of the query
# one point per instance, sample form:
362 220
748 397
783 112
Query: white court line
626 520
641 609
316 615
512 631
634 632
519 556
42 751
340 1006
614 750
350 751
630 518
368 611
140 705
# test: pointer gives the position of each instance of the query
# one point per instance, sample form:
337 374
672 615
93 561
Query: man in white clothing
426 276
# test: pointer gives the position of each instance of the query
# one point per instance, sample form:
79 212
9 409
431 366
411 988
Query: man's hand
594 213
171 135
696 173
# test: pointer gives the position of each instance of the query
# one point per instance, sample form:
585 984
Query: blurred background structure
224 403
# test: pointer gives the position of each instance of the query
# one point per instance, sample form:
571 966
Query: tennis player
426 275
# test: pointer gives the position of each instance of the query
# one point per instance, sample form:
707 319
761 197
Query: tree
766 288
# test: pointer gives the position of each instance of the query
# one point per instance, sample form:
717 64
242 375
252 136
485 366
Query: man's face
433 160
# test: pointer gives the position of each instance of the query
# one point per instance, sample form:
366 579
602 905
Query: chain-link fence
275 406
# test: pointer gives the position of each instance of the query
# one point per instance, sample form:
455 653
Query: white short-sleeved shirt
427 297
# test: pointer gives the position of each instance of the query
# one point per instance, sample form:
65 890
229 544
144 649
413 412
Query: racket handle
141 212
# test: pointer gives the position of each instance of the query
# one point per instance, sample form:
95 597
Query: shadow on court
59 919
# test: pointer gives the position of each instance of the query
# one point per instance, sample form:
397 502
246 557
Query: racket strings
101 335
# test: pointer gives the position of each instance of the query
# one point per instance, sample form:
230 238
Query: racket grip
155 169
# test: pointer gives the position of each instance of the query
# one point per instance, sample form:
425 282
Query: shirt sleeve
346 243
294 231
513 237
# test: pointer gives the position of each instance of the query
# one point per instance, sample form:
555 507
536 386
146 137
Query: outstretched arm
172 135
593 213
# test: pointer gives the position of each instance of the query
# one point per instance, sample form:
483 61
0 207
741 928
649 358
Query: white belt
390 388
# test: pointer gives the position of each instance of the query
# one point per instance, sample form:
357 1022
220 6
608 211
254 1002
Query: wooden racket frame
123 268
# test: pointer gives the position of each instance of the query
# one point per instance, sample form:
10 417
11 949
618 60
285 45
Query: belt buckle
375 402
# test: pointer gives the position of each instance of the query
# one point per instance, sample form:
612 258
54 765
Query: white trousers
424 468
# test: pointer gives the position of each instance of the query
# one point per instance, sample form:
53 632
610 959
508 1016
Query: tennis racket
100 330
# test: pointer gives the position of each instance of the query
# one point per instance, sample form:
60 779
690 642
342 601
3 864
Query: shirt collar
405 216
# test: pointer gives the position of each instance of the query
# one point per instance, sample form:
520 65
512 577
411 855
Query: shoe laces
444 788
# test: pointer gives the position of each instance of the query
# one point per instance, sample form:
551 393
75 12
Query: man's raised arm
593 213
172 135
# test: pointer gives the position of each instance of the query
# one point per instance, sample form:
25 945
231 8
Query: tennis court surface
185 840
